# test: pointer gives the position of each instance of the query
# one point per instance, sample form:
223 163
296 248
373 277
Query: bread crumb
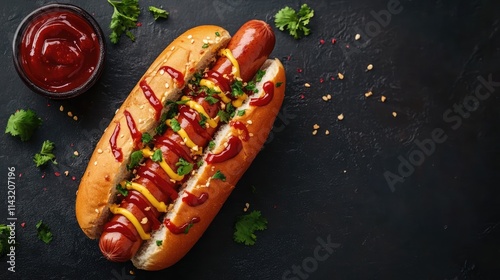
190 36
250 134
147 208
96 210
95 163
340 117
316 126
61 108
327 132
394 114
315 132
307 85
99 151
341 76
70 114
75 118
369 67
357 37
324 98
75 153
144 221
383 98
368 94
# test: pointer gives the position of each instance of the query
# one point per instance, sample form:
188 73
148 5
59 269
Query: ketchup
183 229
117 151
136 134
268 95
60 51
176 75
193 200
233 147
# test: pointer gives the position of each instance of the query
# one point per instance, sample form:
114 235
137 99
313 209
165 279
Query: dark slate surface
438 222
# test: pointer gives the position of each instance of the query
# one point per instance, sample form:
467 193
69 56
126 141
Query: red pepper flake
23 224
57 174
275 206
48 104
321 41
72 145
289 57
73 178
43 175
332 78
299 70
20 175
44 189
139 24
302 96
321 80
334 41
347 46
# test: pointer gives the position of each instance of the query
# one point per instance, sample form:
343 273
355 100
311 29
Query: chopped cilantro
124 18
175 125
205 46
135 158
223 116
189 226
203 120
157 156
184 167
43 232
159 243
146 138
260 74
217 34
23 124
219 175
211 145
162 127
158 13
240 113
246 225
237 88
278 84
45 155
211 100
121 190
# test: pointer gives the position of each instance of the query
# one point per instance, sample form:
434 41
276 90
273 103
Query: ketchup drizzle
191 116
166 187
233 147
176 75
193 200
151 214
174 147
241 126
136 134
216 77
117 151
181 229
151 97
268 95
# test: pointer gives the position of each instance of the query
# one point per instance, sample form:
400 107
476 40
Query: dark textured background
440 223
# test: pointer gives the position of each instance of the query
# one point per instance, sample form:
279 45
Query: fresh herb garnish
223 116
162 127
158 13
212 100
189 226
237 88
205 46
260 74
159 243
146 138
124 18
157 156
246 225
43 232
184 167
175 125
278 84
217 34
251 87
200 163
219 175
121 190
23 124
135 158
240 113
45 155
295 23
211 145
203 120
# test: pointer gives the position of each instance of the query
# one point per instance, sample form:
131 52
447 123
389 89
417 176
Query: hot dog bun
259 121
188 53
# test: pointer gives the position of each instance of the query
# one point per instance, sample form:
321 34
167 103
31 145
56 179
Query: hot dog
216 122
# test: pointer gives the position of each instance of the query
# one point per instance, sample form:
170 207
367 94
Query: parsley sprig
287 18
45 155
246 225
124 18
23 123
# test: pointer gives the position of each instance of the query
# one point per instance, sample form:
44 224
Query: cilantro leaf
184 167
159 243
4 239
43 232
237 88
260 74
157 156
295 23
158 13
211 145
240 113
135 158
219 175
212 100
223 116
203 120
124 18
121 190
23 124
176 126
45 154
162 127
246 225
146 138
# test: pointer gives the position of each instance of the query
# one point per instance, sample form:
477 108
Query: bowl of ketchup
59 51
